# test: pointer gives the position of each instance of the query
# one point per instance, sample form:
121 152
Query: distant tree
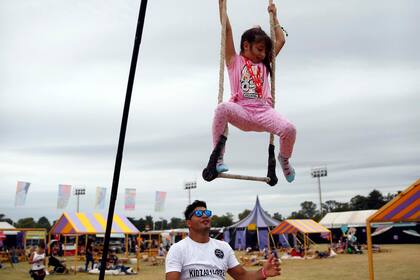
222 221
161 224
149 221
390 196
307 211
141 222
244 214
278 216
26 223
335 206
4 219
177 223
43 223
375 200
359 202
296 215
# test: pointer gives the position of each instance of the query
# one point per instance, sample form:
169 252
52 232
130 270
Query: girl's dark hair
257 35
192 206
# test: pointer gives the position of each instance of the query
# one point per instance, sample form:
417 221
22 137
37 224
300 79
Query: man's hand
272 267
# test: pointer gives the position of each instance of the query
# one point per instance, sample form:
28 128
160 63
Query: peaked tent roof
91 223
403 208
302 225
348 218
257 217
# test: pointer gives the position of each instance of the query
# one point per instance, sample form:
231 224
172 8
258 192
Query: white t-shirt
38 261
201 261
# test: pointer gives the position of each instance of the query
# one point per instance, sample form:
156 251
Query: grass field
402 262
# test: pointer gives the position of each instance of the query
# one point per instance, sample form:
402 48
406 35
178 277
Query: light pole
318 173
78 192
188 186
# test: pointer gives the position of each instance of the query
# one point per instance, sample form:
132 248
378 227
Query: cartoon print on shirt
247 84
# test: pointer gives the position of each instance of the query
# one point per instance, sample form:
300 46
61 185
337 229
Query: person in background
37 260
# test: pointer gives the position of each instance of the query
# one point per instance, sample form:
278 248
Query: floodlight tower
188 186
78 192
318 173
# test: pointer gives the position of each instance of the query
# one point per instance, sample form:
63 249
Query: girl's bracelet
284 30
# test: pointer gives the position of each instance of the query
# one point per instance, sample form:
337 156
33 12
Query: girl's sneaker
288 170
220 166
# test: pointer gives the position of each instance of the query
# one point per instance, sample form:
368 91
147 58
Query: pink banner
130 199
64 193
160 201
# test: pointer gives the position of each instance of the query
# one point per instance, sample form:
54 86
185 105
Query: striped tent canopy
403 208
257 217
301 225
91 223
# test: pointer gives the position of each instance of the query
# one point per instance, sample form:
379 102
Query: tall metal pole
318 173
320 198
78 203
118 160
188 186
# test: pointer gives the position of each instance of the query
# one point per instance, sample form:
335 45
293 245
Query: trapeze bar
242 177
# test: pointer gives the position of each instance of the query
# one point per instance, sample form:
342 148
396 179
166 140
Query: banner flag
160 201
21 192
64 192
100 198
130 199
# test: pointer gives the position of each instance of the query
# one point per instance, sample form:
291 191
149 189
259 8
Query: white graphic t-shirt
201 261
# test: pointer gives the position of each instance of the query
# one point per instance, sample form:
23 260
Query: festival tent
77 224
4 226
346 218
252 231
303 226
403 208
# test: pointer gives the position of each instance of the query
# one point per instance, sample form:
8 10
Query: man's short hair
190 208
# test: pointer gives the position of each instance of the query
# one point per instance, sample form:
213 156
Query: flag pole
118 160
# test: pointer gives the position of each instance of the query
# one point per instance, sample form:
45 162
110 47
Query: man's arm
270 269
229 45
173 275
280 39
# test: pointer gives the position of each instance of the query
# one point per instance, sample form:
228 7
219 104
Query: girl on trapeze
250 107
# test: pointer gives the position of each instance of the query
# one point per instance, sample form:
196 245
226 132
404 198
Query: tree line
309 210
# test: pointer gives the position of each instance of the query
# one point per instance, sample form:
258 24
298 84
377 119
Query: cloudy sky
347 78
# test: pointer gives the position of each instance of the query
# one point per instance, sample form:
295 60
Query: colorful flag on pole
130 199
64 192
21 191
100 198
160 201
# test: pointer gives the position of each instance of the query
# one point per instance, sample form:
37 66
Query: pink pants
255 117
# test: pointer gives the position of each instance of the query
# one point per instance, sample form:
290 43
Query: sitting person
58 265
116 264
162 251
265 253
274 253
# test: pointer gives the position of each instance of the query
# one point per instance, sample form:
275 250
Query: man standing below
200 257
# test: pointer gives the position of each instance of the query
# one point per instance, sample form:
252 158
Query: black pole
118 160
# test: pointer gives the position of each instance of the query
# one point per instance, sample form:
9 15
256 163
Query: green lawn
401 263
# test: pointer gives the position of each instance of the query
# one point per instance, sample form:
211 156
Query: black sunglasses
199 213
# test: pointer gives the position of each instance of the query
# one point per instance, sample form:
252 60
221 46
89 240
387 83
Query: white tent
348 218
4 226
